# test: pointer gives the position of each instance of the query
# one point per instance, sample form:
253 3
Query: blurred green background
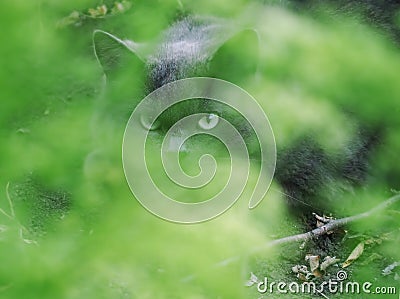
75 231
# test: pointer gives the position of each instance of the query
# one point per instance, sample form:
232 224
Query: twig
322 230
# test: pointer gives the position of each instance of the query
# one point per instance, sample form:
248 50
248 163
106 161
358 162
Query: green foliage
61 140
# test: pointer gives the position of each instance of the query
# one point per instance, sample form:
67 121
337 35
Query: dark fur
306 172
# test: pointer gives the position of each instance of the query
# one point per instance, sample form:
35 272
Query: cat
194 46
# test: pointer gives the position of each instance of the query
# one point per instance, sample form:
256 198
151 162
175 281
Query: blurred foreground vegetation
72 229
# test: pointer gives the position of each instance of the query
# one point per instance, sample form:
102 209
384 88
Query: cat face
190 47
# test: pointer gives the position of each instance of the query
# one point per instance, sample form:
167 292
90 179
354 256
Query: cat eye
209 121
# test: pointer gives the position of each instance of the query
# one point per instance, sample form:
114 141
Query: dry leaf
300 269
317 273
253 279
99 11
371 258
328 261
74 18
120 7
302 277
388 269
355 254
314 261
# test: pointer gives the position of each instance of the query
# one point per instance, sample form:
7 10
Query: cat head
191 47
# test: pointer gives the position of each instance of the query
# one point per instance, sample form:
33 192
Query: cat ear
112 52
237 58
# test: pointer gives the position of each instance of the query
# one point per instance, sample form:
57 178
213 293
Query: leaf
355 254
379 240
300 269
314 264
328 261
314 261
373 257
253 279
120 7
99 11
74 18
302 277
388 269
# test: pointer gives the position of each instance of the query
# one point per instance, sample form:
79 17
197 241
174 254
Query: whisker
292 197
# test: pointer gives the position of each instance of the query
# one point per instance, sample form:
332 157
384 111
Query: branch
322 230
331 225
